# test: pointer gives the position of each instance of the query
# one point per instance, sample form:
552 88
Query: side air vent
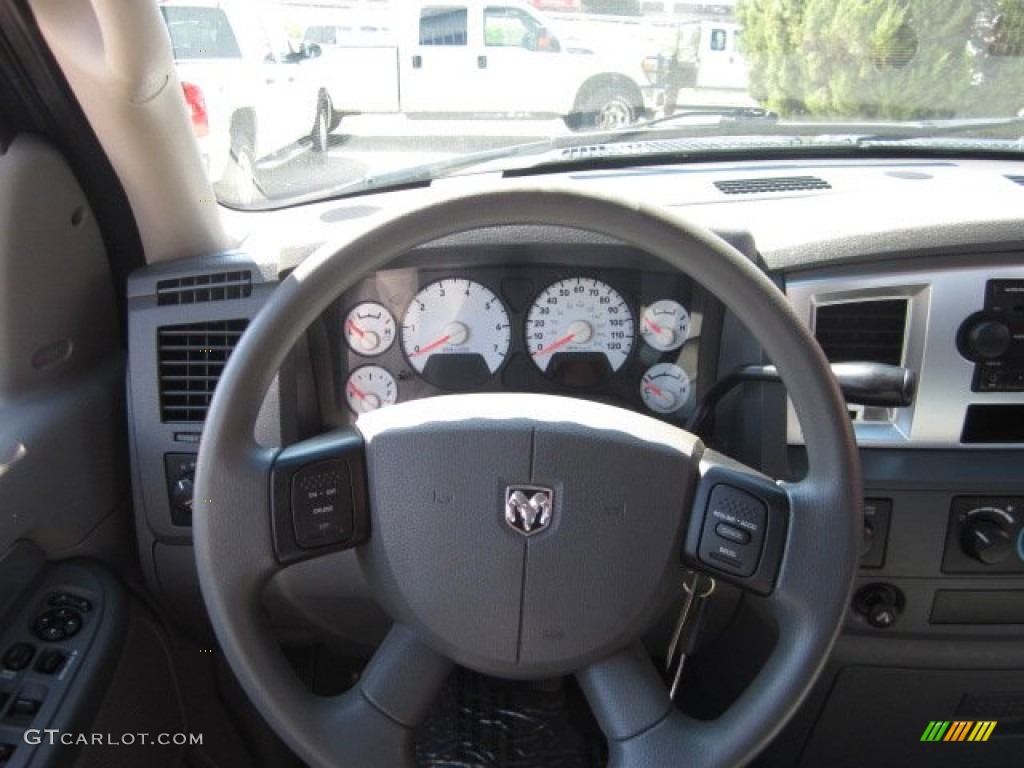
190 359
870 331
779 184
196 289
1016 179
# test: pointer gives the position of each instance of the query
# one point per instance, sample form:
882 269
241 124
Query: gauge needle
658 392
434 345
356 391
654 326
555 345
353 327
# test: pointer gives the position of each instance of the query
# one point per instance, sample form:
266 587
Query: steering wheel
563 578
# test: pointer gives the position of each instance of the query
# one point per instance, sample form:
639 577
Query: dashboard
609 325
912 263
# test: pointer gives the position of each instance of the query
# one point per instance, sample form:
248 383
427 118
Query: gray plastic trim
941 298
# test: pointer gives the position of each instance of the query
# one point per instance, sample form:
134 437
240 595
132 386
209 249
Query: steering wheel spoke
404 677
650 731
318 496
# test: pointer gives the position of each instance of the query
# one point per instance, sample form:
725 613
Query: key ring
707 592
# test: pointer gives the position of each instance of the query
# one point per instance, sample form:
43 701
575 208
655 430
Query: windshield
296 101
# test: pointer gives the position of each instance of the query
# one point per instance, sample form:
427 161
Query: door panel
62 455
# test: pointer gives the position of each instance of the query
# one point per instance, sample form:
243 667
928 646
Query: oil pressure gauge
369 388
665 388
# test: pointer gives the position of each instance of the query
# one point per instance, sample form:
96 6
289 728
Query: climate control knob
988 339
987 541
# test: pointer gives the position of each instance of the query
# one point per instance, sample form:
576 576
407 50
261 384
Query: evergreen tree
884 59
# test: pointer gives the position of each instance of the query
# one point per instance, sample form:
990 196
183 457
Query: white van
714 49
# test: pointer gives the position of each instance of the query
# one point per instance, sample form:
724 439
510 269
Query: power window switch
19 656
50 661
22 710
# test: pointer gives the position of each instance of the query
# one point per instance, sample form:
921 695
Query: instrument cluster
622 335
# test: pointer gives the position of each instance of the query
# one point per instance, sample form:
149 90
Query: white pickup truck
250 95
498 58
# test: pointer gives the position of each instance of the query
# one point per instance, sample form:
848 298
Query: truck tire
240 184
321 133
603 109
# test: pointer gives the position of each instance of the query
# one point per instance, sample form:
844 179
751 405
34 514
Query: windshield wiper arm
728 114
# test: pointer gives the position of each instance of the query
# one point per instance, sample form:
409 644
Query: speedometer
456 333
576 320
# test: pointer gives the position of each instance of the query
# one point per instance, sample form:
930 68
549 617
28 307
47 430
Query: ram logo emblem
528 508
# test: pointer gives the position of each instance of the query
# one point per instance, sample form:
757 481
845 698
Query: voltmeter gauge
369 388
665 325
369 329
665 388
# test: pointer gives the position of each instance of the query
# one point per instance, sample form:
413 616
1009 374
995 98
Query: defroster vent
775 184
862 331
191 359
196 289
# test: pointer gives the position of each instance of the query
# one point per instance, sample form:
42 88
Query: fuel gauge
369 388
665 388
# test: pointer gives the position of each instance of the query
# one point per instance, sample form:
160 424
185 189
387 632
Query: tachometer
578 317
456 333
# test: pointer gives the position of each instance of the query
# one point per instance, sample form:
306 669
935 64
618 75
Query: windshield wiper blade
423 174
933 129
726 113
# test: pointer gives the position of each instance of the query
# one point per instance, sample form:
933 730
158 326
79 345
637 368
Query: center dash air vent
195 289
191 359
868 331
1016 179
778 184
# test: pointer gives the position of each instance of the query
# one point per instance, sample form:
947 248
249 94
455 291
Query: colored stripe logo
958 730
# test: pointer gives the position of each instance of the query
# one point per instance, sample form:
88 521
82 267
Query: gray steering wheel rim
810 598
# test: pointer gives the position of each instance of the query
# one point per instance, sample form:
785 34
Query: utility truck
491 59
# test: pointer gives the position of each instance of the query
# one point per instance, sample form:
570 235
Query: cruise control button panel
322 504
318 497
734 527
737 530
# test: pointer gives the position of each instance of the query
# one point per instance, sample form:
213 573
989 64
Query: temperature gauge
665 325
369 388
665 388
369 329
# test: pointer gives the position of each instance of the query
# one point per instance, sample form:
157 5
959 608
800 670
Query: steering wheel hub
589 578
